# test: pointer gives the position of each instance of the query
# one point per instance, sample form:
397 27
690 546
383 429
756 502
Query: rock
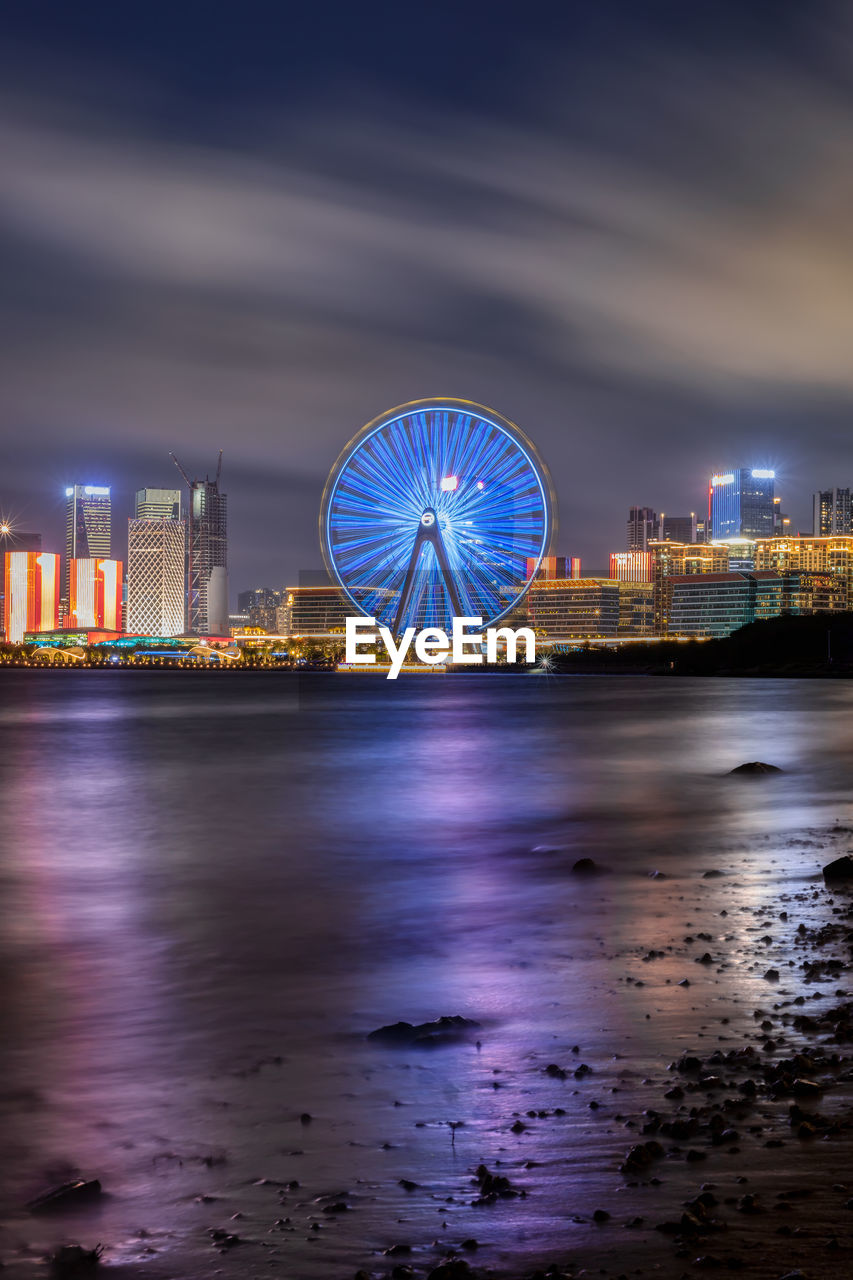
556 1072
640 1157
585 867
806 1089
68 1195
840 871
451 1269
446 1030
408 1185
756 768
73 1260
601 1215
223 1239
493 1186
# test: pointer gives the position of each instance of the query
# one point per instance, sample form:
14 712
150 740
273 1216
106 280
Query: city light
719 480
449 484
764 475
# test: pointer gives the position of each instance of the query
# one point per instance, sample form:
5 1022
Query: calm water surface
202 872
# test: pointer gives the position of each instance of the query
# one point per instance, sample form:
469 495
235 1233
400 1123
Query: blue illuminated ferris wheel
436 509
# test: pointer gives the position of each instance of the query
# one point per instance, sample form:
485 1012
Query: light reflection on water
199 872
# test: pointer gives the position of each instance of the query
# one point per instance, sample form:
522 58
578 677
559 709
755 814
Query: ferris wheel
436 509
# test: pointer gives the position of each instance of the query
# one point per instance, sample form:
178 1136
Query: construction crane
183 473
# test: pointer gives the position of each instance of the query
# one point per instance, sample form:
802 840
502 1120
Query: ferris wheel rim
505 426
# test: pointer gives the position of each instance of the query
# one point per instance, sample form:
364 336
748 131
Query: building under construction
207 554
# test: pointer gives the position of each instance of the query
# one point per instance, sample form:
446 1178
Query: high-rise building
207 555
832 512
631 566
741 504
642 528
94 593
87 525
31 593
158 504
156 577
677 528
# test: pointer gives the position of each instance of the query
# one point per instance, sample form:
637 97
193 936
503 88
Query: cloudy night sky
255 227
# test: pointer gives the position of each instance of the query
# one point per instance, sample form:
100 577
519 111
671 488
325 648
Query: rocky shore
732 1152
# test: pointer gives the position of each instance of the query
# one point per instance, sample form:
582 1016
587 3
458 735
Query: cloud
680 240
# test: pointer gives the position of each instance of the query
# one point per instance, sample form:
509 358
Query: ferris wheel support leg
432 535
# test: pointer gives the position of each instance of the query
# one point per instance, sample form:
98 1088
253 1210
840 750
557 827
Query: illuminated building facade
88 515
679 559
741 504
631 566
31 593
642 528
156 564
554 567
158 504
261 606
716 604
636 609
832 513
313 611
830 555
95 594
574 608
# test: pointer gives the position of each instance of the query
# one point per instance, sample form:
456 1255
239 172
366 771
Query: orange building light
94 589
31 581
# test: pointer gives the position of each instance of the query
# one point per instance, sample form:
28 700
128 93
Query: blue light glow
495 519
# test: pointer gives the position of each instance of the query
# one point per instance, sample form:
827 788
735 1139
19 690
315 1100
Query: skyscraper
94 593
158 504
740 504
31 599
207 554
642 528
677 528
832 513
87 525
156 576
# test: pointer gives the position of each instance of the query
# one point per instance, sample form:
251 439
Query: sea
215 885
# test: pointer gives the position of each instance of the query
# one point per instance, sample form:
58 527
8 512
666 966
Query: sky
255 227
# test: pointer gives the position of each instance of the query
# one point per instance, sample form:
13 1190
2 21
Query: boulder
68 1195
840 871
756 767
424 1035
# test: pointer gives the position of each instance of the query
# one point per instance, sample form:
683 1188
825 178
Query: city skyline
658 524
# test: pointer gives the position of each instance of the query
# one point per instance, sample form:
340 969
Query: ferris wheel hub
428 518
